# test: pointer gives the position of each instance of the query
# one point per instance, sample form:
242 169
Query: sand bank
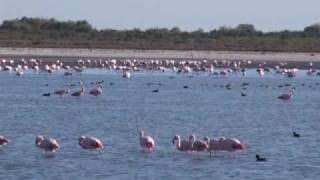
69 55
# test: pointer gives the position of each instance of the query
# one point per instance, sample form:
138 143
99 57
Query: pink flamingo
3 140
198 145
90 143
147 142
96 91
47 144
223 144
183 145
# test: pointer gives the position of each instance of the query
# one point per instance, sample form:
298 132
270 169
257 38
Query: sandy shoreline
70 55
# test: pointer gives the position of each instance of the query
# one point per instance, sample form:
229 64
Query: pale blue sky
266 15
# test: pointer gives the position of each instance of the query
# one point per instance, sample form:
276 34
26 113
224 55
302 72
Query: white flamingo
147 142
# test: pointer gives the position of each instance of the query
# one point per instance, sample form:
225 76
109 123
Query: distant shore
300 60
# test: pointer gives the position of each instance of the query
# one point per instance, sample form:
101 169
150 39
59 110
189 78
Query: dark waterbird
258 158
243 94
46 94
296 134
185 87
229 86
156 90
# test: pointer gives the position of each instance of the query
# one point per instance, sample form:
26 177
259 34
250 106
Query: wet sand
70 56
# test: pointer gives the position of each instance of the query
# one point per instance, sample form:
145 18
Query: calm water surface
264 124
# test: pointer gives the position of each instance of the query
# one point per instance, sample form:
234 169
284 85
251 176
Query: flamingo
62 92
96 91
287 96
80 92
47 144
223 144
182 145
3 140
90 143
197 145
147 142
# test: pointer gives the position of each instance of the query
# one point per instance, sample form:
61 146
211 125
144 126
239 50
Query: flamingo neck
141 134
178 142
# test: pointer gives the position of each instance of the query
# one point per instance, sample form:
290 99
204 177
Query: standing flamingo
90 143
96 91
3 140
147 142
47 144
182 145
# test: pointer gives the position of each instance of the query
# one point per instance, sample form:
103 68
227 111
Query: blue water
261 121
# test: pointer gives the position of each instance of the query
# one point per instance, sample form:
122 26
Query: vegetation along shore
51 33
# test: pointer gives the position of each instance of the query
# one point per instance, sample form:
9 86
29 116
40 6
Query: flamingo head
56 145
100 145
292 91
192 138
39 138
67 89
238 146
81 138
175 138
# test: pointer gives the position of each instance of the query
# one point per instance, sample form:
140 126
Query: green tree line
39 32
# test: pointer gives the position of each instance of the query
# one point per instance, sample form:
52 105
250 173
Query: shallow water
261 121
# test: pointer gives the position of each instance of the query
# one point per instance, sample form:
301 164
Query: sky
265 15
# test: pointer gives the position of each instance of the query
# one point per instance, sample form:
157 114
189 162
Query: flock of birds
130 65
127 66
147 143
